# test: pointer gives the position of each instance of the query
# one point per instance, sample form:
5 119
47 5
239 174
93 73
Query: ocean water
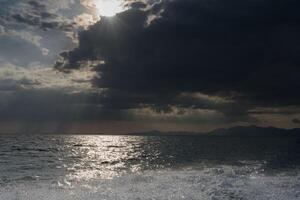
75 167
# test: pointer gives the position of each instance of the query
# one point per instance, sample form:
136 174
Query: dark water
152 167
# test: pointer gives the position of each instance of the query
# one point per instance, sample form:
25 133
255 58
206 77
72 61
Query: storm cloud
37 14
157 64
244 53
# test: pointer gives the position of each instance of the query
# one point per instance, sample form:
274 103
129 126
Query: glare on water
121 167
83 158
101 156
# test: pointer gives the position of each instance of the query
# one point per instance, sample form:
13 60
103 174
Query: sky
118 66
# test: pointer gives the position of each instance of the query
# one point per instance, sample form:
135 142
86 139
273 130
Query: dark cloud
137 5
39 15
13 85
44 105
48 105
36 31
244 51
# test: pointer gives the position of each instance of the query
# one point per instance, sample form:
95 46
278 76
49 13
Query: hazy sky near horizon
136 65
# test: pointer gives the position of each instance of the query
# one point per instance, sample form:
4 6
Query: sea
91 167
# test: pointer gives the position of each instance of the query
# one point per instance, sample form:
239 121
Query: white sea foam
224 182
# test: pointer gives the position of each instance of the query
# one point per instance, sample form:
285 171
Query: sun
108 8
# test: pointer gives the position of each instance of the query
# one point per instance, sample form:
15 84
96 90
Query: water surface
148 167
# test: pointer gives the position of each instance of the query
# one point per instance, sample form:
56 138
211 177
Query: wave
223 182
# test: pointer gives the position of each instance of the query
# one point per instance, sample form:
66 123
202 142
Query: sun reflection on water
101 156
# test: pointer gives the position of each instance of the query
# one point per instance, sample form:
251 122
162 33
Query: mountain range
238 131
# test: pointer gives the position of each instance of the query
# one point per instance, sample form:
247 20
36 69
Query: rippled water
152 167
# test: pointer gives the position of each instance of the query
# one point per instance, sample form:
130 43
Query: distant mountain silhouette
238 131
254 131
